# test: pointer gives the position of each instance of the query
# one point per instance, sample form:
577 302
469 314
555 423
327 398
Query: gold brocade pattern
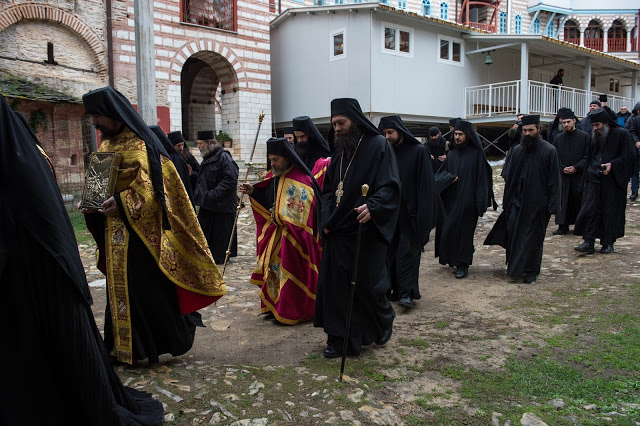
116 251
182 253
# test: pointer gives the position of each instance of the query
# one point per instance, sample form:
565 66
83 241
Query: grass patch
83 236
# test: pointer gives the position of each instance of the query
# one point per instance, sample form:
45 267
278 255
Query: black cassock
374 164
436 148
420 209
532 193
216 194
464 201
572 150
607 195
56 369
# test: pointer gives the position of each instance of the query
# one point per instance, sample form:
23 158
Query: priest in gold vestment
158 265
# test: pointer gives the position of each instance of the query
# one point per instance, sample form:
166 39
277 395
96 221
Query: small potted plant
225 139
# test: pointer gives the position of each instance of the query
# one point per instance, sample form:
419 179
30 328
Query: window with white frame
338 44
450 51
502 23
397 40
614 85
444 11
402 4
338 1
426 7
517 25
536 26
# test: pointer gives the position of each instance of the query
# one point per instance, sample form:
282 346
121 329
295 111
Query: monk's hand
432 157
109 207
84 210
363 213
569 170
190 169
606 168
246 188
326 231
442 157
455 180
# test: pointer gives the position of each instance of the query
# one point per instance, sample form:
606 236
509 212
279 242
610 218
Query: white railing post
490 99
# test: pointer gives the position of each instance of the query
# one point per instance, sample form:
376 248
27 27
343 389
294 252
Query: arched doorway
617 37
209 87
593 36
571 32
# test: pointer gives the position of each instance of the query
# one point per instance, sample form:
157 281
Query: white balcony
505 99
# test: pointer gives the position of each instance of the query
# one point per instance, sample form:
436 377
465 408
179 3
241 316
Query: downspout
109 44
509 12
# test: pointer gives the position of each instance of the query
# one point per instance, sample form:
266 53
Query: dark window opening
50 59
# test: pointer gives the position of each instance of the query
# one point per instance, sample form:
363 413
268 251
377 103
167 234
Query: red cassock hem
191 302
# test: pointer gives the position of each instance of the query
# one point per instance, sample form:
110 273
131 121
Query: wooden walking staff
354 274
246 178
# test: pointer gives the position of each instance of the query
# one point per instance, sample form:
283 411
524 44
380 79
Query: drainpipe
109 44
509 12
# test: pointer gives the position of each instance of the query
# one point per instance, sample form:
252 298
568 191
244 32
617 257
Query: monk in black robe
216 194
176 158
585 123
465 183
362 156
152 250
437 146
310 145
182 147
572 146
610 163
420 208
56 369
531 195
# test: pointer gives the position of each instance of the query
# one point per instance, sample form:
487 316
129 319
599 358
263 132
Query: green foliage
38 119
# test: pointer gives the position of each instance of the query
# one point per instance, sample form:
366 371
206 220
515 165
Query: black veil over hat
350 108
176 137
306 125
282 147
604 115
29 194
108 102
467 128
395 122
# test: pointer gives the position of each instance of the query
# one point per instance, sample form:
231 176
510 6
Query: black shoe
406 302
607 249
385 336
462 272
562 230
633 196
586 247
331 352
393 297
530 277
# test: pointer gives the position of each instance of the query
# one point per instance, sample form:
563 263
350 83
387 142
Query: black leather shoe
462 272
385 337
331 352
586 247
530 277
607 249
406 302
633 196
562 230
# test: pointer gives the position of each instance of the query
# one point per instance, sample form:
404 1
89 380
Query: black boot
633 196
606 249
462 271
562 230
586 247
530 277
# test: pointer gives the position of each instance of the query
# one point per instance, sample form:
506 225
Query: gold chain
339 191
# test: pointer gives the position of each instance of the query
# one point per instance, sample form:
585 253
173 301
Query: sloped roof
12 86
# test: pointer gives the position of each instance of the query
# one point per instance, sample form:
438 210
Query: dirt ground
459 319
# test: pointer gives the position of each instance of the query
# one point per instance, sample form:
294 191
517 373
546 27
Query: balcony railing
594 43
485 27
219 14
617 44
572 40
492 100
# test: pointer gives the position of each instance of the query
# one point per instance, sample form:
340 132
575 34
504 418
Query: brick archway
198 46
54 14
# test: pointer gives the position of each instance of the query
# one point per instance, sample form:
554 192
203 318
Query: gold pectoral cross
339 193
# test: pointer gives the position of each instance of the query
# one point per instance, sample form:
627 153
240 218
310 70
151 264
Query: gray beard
209 150
346 145
278 172
599 137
